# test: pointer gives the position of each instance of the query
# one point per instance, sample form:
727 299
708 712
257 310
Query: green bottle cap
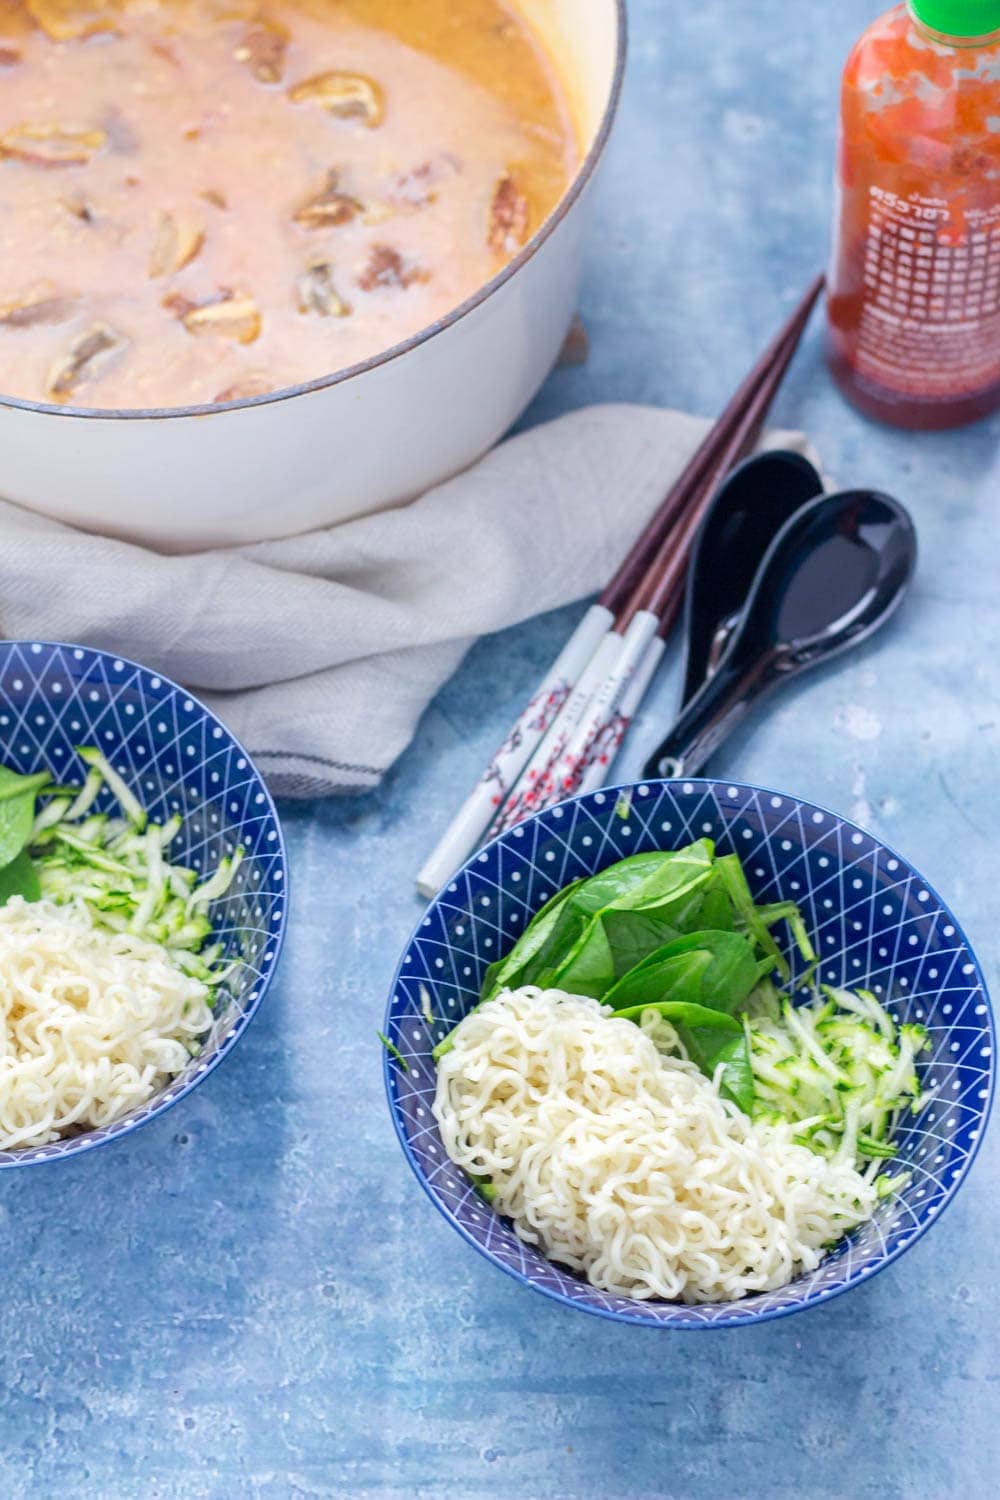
959 17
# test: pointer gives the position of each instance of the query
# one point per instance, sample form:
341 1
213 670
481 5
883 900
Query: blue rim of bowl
615 1315
582 179
120 1129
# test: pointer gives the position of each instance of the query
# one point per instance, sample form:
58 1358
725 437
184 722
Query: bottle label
930 314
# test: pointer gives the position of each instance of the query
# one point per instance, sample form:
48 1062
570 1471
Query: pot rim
395 351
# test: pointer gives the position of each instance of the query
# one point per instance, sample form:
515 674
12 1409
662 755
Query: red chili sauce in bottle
914 287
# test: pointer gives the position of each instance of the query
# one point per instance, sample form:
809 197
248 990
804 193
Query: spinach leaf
508 972
633 935
491 979
17 817
646 880
611 886
709 1037
580 956
14 785
589 967
715 910
732 973
669 975
708 1047
725 974
570 927
17 814
678 873
684 1013
19 878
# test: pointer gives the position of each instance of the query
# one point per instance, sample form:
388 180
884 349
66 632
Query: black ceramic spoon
746 515
832 576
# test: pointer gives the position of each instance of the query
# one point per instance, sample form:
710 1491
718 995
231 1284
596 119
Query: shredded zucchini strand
118 867
840 1070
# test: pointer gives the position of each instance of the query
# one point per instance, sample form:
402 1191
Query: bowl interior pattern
178 759
875 922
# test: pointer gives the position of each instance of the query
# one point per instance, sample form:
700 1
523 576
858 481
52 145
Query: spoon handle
711 716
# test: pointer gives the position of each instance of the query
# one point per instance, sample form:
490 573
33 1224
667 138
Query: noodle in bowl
627 1166
92 1023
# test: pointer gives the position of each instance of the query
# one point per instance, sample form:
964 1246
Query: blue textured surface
874 921
181 763
252 1297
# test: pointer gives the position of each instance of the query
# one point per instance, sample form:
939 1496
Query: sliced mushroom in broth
205 200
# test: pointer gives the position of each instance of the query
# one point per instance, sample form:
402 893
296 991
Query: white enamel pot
355 441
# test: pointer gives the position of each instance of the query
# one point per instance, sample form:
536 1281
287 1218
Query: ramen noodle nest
627 1166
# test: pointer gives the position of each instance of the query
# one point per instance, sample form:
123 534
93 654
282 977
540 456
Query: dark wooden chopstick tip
654 569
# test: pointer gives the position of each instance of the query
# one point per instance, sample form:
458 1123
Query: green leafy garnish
19 878
115 865
716 969
17 811
14 785
623 807
656 929
393 1051
508 973
711 1039
582 955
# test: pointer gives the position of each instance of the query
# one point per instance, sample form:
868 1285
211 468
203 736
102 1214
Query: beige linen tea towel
322 651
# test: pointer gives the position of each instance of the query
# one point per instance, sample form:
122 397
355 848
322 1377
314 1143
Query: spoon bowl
746 515
835 572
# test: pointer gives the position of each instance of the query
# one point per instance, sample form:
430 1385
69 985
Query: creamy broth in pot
202 201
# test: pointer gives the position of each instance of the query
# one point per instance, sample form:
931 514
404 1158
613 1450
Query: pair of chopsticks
572 727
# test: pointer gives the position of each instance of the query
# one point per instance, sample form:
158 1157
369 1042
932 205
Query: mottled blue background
251 1297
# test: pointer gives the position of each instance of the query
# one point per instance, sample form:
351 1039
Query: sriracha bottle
914 286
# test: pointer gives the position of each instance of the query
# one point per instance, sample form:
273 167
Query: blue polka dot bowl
177 759
875 921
